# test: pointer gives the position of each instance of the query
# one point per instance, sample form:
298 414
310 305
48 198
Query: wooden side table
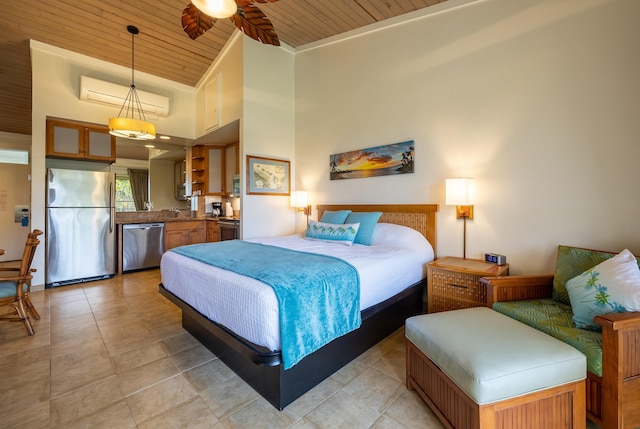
454 283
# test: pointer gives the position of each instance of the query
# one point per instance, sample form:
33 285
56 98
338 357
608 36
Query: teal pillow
340 233
338 216
367 221
612 286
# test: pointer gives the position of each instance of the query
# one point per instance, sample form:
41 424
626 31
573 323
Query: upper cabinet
79 140
213 168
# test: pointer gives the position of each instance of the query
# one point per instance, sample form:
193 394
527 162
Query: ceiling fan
245 15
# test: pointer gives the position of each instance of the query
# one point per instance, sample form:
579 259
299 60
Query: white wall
267 130
538 101
55 89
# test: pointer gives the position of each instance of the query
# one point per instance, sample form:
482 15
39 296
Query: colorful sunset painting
394 158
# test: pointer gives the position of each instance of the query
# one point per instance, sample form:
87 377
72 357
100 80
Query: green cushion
571 262
556 319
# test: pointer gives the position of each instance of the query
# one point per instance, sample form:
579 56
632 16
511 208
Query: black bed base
262 369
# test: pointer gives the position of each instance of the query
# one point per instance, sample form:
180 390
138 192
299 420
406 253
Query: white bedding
396 259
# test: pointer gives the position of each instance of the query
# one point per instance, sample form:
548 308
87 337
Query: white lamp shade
459 192
299 199
217 8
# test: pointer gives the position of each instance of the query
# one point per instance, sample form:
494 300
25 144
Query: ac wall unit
111 94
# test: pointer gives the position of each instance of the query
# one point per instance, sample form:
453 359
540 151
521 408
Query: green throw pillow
612 286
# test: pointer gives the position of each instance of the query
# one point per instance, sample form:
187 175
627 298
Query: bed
257 357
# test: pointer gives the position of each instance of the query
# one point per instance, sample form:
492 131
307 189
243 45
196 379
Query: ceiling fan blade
255 24
194 22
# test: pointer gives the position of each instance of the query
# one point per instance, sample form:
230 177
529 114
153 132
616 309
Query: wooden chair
15 288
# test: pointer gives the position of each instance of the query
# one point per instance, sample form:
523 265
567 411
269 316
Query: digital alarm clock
494 258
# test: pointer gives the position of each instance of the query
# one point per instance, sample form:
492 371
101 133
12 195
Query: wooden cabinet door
213 231
79 140
232 166
181 233
215 170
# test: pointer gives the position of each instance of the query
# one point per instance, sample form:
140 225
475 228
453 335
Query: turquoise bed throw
318 295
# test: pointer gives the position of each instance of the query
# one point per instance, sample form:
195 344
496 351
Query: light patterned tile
191 414
208 375
342 411
228 397
310 400
85 401
80 367
139 378
137 357
260 413
410 411
179 343
159 398
116 416
374 389
193 357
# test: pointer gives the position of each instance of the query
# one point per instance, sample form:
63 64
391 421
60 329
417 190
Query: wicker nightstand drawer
454 283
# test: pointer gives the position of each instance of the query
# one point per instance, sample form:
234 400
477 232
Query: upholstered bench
477 368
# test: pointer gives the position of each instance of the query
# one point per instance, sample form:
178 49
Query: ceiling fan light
132 128
217 8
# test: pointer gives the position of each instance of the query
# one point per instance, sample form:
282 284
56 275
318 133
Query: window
124 197
10 156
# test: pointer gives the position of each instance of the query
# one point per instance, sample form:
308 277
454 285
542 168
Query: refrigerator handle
112 220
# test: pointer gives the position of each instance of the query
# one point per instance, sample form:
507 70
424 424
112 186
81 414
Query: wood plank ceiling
97 28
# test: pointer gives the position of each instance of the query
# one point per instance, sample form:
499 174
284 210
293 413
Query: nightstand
454 283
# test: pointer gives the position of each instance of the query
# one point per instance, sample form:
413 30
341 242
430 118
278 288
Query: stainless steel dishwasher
142 245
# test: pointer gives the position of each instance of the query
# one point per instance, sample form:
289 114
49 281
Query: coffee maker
216 209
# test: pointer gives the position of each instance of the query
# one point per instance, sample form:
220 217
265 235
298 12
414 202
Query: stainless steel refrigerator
80 231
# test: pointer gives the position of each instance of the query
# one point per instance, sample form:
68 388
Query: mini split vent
111 94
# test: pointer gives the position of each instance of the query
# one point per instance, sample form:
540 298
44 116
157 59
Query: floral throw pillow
612 286
340 233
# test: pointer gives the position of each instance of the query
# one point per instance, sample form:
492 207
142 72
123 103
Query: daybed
263 366
613 355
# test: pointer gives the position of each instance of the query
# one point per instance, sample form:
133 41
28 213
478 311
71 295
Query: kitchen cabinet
79 140
183 232
213 168
232 167
179 180
213 231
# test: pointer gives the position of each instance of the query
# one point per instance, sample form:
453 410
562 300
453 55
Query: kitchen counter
156 216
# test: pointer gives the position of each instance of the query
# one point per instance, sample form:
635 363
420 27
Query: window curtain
139 187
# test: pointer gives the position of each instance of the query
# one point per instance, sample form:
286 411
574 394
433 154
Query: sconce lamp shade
299 199
217 8
459 192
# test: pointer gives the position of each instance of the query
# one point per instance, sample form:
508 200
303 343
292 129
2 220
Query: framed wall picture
396 158
267 176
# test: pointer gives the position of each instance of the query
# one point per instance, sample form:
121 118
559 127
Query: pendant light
128 126
216 8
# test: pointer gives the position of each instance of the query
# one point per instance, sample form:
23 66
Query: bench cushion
556 319
493 357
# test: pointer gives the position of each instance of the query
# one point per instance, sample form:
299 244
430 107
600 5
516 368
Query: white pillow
612 286
388 234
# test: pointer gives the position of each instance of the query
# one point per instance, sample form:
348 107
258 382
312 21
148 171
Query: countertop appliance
80 229
142 245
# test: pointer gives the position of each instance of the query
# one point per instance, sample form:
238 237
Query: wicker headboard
421 217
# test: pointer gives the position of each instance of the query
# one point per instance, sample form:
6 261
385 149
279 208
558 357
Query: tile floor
112 354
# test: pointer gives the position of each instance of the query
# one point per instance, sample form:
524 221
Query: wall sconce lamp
459 193
300 200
